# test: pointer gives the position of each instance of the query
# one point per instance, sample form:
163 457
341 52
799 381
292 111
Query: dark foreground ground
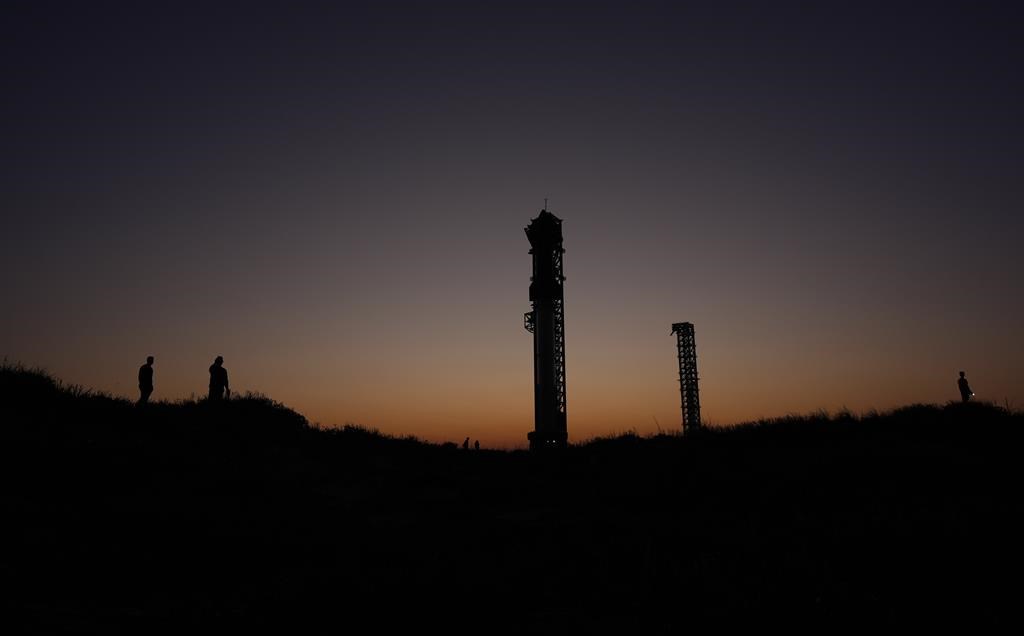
242 516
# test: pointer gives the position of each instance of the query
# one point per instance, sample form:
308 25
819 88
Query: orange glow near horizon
402 385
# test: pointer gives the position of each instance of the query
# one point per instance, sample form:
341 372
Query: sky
332 196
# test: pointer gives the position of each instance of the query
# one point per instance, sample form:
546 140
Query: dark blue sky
332 196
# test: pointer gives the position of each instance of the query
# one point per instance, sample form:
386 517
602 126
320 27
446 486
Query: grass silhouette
241 514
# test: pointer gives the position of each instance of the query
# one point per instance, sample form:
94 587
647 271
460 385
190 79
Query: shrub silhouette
242 514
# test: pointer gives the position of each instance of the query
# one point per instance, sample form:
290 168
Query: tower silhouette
547 324
688 393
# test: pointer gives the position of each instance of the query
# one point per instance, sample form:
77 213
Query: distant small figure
476 445
465 444
965 389
218 381
145 381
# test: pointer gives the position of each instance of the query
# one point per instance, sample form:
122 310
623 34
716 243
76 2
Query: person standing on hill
965 389
218 381
145 381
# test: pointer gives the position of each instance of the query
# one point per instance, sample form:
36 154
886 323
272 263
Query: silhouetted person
465 444
965 389
145 381
476 445
218 381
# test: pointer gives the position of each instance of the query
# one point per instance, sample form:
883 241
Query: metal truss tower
547 324
688 392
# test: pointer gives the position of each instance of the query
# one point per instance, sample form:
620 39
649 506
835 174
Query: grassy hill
241 515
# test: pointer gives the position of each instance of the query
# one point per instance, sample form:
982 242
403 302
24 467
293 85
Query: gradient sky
332 196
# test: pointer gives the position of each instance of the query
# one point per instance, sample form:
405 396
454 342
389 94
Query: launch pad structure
546 322
688 391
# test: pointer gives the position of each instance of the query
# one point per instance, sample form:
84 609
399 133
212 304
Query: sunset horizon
333 199
558 317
